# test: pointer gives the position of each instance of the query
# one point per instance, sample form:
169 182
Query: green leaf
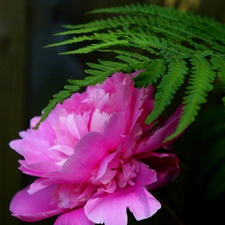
153 72
168 86
94 47
200 83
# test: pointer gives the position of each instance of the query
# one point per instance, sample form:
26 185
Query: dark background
31 74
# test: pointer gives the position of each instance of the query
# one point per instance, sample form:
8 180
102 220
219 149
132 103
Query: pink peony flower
94 157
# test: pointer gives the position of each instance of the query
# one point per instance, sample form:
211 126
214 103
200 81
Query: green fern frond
200 82
168 86
94 47
106 68
169 14
97 25
218 62
169 47
153 72
92 37
128 54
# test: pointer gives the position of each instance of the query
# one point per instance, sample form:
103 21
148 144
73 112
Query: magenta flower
94 157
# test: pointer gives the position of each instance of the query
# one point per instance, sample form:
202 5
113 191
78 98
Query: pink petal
98 121
145 176
36 186
77 125
114 130
103 166
111 209
155 141
63 135
167 167
133 106
88 153
110 84
75 217
32 149
39 168
17 145
34 207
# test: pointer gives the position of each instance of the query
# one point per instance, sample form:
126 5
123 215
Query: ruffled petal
156 140
75 217
38 169
34 207
111 209
145 176
114 130
77 125
98 121
88 153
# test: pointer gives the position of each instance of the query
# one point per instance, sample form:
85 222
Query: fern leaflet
200 82
168 86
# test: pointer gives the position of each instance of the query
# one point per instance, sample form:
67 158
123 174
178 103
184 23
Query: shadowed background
31 74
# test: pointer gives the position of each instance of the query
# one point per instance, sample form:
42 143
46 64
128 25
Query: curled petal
156 140
167 167
38 169
110 209
36 186
88 152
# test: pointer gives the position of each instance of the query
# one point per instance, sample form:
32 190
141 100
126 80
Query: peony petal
156 140
75 217
145 176
17 145
110 84
134 105
111 209
36 186
63 135
39 168
114 130
167 167
34 207
98 120
77 125
103 166
31 148
88 153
